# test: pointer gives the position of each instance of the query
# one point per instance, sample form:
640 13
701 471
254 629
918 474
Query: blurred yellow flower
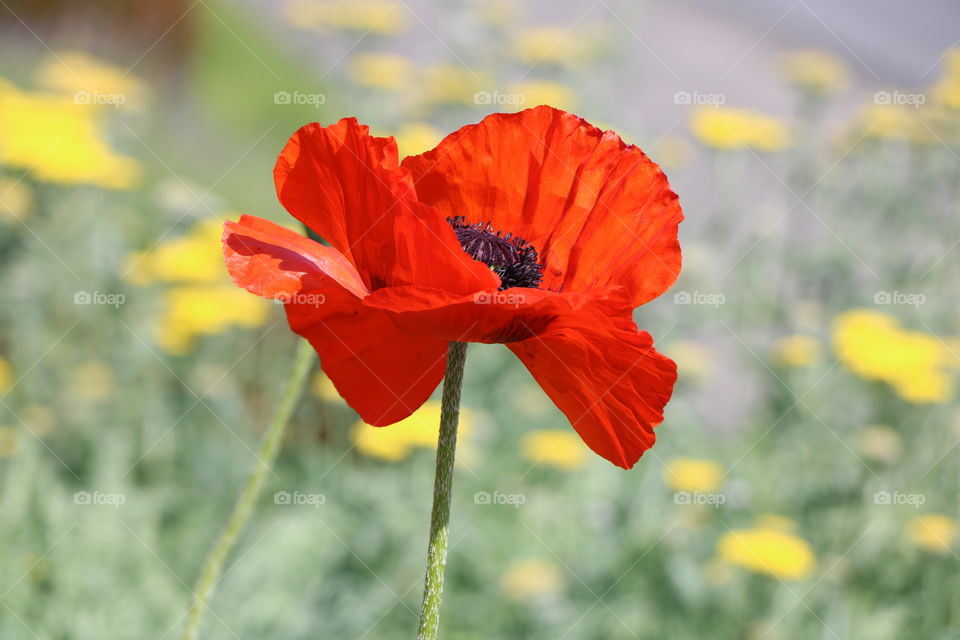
768 550
59 140
878 442
947 89
873 346
87 78
774 521
322 387
191 311
673 152
499 13
888 122
724 128
816 71
91 380
40 419
6 375
367 16
796 351
193 257
9 441
692 474
453 84
16 199
381 70
416 137
552 44
397 441
559 448
933 532
204 302
532 93
531 578
694 361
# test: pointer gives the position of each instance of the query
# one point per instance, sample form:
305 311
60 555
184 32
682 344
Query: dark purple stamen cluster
510 257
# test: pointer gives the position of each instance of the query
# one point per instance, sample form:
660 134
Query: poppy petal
383 374
598 211
348 187
490 317
605 376
274 262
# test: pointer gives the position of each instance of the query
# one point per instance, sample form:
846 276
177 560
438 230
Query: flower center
509 256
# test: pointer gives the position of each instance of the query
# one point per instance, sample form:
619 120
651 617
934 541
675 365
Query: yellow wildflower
878 442
397 441
499 13
560 448
768 550
194 257
531 578
205 302
796 351
88 78
692 474
6 375
774 521
322 387
531 93
381 70
92 380
9 441
932 532
673 152
552 44
16 199
366 16
872 345
59 140
416 137
816 71
947 89
191 311
888 122
694 361
453 84
40 419
725 128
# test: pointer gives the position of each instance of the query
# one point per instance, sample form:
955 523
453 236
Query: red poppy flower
532 229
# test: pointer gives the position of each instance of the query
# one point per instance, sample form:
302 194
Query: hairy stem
443 483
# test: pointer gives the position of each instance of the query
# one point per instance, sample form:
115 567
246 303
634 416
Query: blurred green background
805 482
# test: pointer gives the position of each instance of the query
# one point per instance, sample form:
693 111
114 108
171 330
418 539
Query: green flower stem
213 564
442 485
